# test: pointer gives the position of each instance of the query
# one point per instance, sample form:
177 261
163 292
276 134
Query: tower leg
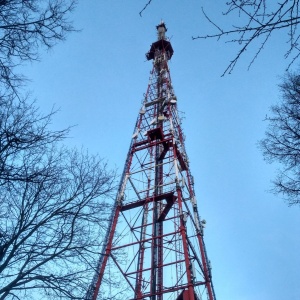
107 253
191 293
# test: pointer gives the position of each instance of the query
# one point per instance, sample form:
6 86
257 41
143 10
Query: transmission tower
154 248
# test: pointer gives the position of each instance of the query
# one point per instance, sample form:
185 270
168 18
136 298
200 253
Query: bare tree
282 141
53 213
25 26
54 201
254 21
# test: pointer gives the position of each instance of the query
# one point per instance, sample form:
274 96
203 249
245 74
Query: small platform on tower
184 295
160 45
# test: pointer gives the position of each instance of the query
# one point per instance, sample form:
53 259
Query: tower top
162 44
161 30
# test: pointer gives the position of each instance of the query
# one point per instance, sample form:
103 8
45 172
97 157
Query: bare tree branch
144 8
261 19
25 26
54 208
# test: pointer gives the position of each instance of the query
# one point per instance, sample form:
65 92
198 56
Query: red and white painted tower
154 248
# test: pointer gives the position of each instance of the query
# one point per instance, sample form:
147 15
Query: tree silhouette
25 26
53 212
282 141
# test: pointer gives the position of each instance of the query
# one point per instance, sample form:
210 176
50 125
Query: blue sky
97 78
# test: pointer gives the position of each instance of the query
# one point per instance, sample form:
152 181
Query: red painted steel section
107 253
202 250
206 271
139 293
184 240
145 240
185 249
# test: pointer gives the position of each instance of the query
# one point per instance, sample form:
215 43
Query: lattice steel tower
154 248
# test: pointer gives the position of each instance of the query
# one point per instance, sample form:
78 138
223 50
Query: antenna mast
154 248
